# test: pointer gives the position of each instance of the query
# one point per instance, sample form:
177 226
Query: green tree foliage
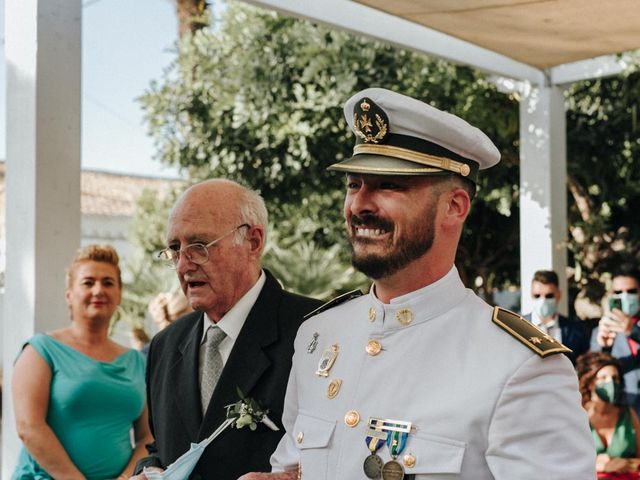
143 277
148 227
604 175
258 99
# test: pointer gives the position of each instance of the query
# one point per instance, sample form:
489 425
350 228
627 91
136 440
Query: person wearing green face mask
614 425
618 331
546 294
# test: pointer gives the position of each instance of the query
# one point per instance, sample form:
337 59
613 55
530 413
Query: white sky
126 44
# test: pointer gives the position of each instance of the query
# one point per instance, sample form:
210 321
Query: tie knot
214 336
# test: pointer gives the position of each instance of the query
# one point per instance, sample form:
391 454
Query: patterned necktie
212 365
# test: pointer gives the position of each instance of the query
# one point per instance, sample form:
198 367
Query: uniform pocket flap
433 454
312 432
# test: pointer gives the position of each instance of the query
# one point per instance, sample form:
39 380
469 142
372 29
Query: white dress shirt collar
551 327
232 321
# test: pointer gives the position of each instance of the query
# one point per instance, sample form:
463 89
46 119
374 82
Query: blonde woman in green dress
79 397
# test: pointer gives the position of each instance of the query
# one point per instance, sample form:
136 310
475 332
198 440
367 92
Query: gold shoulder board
345 297
527 333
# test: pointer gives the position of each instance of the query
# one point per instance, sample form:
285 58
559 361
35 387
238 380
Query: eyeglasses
628 290
546 295
197 253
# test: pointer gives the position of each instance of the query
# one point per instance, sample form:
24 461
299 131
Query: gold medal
392 470
373 466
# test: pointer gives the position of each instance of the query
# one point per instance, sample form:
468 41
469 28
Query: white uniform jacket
484 406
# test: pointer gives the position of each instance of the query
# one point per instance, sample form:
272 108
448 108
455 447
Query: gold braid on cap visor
422 158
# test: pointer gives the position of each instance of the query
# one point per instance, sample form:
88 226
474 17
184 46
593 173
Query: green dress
92 408
623 441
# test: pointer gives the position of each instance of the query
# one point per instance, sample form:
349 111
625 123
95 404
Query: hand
608 328
624 320
601 462
291 475
617 465
142 476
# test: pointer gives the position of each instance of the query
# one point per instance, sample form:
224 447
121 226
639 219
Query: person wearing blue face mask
614 426
618 331
546 294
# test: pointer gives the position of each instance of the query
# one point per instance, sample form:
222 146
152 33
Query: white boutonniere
248 412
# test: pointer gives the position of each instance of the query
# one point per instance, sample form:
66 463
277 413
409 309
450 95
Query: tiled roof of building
115 195
109 194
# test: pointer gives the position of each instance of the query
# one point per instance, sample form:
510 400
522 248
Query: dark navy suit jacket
259 365
576 334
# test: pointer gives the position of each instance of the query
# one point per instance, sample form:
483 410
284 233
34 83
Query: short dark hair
452 180
546 277
627 269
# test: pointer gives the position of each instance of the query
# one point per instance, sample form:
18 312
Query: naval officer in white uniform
420 378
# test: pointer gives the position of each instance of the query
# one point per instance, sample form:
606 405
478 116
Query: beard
413 244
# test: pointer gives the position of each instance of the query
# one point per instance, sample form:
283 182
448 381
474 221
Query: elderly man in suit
573 333
240 335
420 378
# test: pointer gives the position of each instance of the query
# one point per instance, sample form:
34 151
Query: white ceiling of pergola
540 33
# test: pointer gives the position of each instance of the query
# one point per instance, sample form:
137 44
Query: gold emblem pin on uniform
334 388
372 314
351 418
327 360
404 316
373 348
409 460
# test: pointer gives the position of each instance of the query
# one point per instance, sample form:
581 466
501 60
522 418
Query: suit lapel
184 375
247 361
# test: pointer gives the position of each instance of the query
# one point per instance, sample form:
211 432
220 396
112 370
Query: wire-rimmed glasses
197 253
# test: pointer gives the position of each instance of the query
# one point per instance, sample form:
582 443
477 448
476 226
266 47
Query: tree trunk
191 15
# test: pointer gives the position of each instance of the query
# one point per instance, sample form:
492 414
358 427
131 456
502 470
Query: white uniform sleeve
539 428
287 456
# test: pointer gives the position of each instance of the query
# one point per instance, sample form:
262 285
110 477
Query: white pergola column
42 44
543 190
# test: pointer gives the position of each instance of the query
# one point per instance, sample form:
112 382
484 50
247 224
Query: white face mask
545 307
184 465
181 468
630 304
